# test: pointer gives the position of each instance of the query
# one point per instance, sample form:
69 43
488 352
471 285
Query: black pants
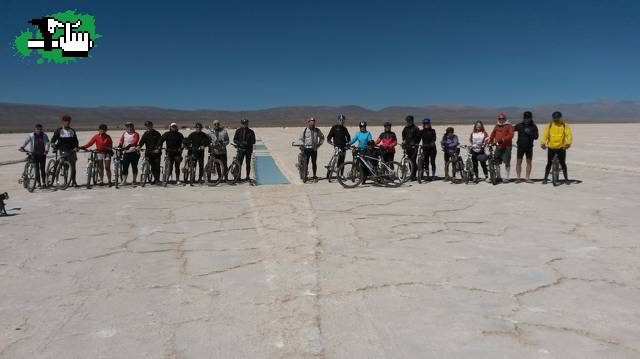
412 153
474 160
223 158
130 158
242 155
387 157
429 154
562 156
341 157
41 169
174 159
199 155
313 155
154 161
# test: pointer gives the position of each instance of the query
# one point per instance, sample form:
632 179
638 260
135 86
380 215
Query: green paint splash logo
56 55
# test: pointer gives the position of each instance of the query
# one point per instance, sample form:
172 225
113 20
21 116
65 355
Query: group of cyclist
131 144
556 139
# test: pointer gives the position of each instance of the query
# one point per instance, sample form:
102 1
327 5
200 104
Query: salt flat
314 270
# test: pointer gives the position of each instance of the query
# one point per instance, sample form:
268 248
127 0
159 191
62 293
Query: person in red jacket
104 146
388 142
502 137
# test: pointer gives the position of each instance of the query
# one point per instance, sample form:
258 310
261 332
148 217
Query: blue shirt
362 137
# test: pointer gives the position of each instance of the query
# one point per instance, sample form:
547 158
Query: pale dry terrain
436 270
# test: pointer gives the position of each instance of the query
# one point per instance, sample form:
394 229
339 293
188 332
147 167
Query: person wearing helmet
129 143
388 142
556 139
174 140
151 141
104 146
502 137
220 140
339 137
245 138
362 137
410 141
429 148
449 145
527 134
310 139
478 140
65 139
196 143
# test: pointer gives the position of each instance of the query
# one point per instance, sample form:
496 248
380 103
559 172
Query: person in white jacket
310 139
38 144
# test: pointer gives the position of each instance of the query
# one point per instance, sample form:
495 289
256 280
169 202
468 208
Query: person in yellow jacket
556 139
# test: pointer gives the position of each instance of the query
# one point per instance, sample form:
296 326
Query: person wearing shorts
527 134
104 146
502 137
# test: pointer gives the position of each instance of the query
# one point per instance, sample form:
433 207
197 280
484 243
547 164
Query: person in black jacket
410 140
429 148
65 139
152 142
174 140
527 134
196 143
245 138
339 137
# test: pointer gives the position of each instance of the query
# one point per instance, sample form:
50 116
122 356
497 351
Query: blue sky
257 54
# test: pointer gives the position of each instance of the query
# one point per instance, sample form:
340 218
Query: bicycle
492 164
92 168
406 164
467 168
145 170
234 169
338 152
58 169
302 164
352 173
555 170
28 177
455 163
189 169
214 169
117 165
168 167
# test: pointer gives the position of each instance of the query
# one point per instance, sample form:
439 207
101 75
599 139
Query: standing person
388 142
339 137
174 140
557 139
152 142
311 138
410 140
245 138
478 140
65 139
38 143
104 146
429 148
502 136
527 134
129 144
363 137
196 142
449 144
220 140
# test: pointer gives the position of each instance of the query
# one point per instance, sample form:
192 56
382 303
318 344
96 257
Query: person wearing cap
151 141
429 148
37 143
310 139
219 140
527 134
339 137
129 144
174 142
65 139
502 137
196 143
104 146
556 139
363 137
388 141
410 140
245 138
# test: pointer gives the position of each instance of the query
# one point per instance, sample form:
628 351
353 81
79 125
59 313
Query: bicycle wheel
555 168
51 173
350 175
145 171
302 167
492 172
331 168
234 171
117 169
407 166
192 172
468 170
30 176
389 175
167 171
214 172
420 172
90 171
62 173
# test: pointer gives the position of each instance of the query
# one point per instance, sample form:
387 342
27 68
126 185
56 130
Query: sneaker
528 181
567 182
545 181
315 179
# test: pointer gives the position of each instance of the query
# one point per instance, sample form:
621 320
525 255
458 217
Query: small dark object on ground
3 196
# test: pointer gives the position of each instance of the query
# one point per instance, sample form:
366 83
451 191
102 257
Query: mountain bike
214 169
234 169
406 164
92 168
28 177
352 173
145 170
338 152
118 153
302 163
189 169
492 164
467 168
456 164
555 170
58 170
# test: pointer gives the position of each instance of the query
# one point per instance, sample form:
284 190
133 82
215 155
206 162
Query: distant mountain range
21 117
